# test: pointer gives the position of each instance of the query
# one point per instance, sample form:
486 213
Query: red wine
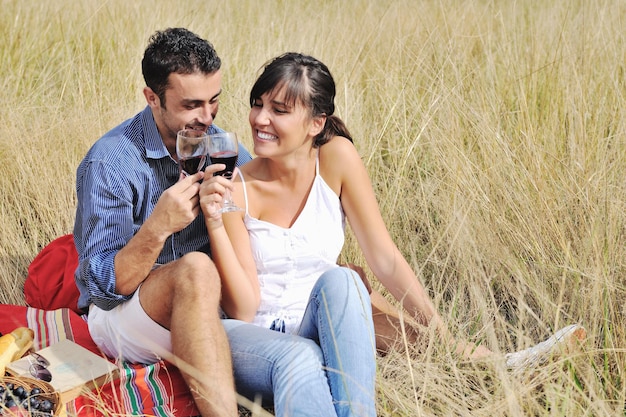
192 165
228 158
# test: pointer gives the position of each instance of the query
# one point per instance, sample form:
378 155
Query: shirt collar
155 149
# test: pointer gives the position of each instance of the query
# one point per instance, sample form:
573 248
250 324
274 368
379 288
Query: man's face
191 101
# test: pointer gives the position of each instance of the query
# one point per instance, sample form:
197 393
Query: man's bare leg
183 296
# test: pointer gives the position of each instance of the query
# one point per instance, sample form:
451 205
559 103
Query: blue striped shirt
118 183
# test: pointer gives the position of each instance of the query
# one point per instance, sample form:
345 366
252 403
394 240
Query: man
144 273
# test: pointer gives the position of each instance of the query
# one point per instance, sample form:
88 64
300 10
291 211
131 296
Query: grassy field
494 132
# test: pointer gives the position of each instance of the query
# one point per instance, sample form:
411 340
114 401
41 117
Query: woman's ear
317 125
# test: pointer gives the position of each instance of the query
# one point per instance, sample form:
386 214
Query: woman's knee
344 286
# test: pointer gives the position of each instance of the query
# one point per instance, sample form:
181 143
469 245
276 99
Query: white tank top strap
243 185
317 163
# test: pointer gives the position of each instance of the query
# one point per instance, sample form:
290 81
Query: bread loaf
14 345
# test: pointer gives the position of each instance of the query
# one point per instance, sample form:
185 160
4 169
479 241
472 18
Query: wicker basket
47 391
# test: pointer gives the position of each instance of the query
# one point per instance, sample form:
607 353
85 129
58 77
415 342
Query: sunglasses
39 369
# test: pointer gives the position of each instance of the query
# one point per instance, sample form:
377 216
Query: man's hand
178 206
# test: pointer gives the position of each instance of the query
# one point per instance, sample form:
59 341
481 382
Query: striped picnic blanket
150 390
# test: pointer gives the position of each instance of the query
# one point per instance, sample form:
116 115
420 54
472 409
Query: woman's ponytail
334 127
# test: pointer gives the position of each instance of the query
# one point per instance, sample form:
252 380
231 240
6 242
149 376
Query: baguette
14 345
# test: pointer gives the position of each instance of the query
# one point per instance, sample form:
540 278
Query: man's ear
317 125
151 97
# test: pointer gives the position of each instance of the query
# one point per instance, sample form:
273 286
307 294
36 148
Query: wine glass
191 149
223 149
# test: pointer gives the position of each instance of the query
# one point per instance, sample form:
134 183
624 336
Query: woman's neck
291 169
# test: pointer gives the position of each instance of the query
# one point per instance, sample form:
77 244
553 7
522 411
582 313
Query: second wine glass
223 149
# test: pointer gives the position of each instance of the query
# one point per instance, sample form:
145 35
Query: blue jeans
328 369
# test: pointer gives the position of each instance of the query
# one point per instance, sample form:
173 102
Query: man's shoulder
118 139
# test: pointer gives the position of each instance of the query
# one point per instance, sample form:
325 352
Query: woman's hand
212 194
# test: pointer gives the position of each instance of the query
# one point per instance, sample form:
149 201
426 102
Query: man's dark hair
176 50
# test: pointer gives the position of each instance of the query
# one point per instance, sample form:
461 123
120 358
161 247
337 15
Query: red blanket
153 390
50 291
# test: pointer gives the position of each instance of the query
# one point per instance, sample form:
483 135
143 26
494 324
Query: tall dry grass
493 132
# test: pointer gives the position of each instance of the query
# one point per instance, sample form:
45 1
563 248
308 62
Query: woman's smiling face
277 123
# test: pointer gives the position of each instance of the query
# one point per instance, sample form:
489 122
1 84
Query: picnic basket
9 387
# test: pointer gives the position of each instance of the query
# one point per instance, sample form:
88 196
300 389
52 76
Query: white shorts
127 332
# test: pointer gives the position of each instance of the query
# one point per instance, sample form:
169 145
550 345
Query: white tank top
290 260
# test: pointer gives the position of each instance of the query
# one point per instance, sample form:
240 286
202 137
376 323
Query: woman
277 257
